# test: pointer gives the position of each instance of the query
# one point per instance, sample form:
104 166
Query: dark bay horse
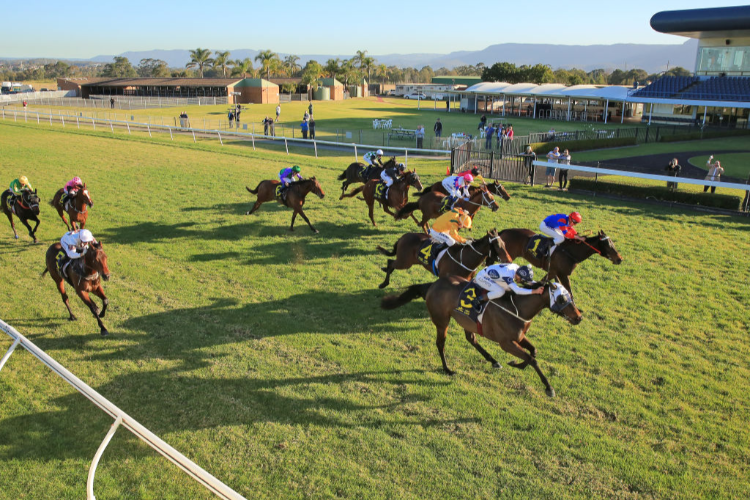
459 260
354 173
495 188
295 196
25 207
505 321
566 256
75 207
84 281
398 193
432 205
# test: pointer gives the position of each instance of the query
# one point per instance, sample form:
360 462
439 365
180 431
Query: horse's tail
254 191
386 252
342 177
46 270
356 191
407 210
411 293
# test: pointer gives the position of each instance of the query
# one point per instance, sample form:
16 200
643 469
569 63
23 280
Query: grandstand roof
704 23
609 92
164 82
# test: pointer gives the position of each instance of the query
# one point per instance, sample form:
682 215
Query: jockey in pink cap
71 188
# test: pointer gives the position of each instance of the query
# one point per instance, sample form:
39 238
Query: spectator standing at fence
419 134
501 131
230 116
563 178
673 169
438 128
311 126
112 102
25 104
552 157
714 173
482 122
488 136
266 123
305 128
278 111
529 157
237 117
551 135
310 109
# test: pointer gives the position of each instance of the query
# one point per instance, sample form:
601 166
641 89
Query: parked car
415 95
391 93
437 97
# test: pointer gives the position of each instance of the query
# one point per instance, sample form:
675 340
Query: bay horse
84 280
295 196
495 188
459 260
354 173
432 203
75 207
505 321
566 256
398 193
25 207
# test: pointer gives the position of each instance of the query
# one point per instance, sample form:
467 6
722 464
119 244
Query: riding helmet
575 217
379 152
296 169
23 180
85 236
526 274
468 178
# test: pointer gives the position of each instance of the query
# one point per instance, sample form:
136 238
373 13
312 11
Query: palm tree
367 63
348 70
200 57
290 63
268 60
222 61
360 58
242 67
382 71
332 67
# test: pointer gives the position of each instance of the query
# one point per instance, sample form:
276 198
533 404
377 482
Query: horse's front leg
257 205
94 309
414 218
344 186
372 215
62 216
511 347
472 339
36 226
12 224
302 213
31 232
99 292
61 289
387 210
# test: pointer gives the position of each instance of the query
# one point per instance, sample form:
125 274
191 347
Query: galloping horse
356 173
26 207
398 193
75 207
84 280
505 321
494 188
295 196
433 205
459 260
566 256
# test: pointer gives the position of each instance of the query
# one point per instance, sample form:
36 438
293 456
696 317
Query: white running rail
121 418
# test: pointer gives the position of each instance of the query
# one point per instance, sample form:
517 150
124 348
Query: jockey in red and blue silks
560 227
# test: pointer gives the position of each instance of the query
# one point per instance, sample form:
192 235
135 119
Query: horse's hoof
382 285
450 373
496 365
550 392
316 231
101 314
104 332
247 213
16 236
72 318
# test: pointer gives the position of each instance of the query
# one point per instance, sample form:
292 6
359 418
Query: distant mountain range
652 58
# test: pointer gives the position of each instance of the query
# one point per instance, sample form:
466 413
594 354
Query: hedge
542 148
711 134
662 193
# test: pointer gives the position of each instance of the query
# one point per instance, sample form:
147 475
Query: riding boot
480 302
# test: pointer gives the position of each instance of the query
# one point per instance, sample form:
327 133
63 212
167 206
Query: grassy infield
263 356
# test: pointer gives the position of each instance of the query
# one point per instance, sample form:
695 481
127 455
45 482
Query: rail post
170 134
93 122
62 118
252 138
98 456
10 351
286 145
355 153
315 145
219 134
193 136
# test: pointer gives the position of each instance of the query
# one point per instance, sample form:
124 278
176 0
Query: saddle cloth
430 254
381 191
539 246
77 265
447 203
279 192
467 305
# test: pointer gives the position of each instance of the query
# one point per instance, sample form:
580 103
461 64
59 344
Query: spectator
237 117
231 118
529 156
24 104
311 126
482 122
714 173
306 116
305 128
552 157
419 134
500 137
112 102
266 122
488 136
448 105
310 109
438 128
673 169
551 135
278 111
563 179
509 134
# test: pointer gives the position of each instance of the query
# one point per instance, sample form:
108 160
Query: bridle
469 245
485 201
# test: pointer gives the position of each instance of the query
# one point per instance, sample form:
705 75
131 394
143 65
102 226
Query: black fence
497 165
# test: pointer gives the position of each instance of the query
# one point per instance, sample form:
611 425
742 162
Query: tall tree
359 59
222 62
332 67
242 67
290 63
381 71
367 64
153 68
268 60
312 73
200 58
120 68
348 70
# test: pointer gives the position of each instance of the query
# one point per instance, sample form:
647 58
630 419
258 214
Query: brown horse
505 321
75 207
84 280
295 196
432 205
566 256
459 260
357 172
495 188
25 207
398 193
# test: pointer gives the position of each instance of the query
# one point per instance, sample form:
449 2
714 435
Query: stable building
255 91
335 87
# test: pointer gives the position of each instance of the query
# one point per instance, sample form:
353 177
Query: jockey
389 174
498 279
75 244
71 188
560 227
458 186
18 186
445 229
287 174
478 179
374 158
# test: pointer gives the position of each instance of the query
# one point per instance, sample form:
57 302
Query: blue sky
85 29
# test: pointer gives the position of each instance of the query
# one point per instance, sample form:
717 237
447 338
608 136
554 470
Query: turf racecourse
263 356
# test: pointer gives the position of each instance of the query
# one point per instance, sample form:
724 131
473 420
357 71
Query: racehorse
566 256
26 207
84 280
357 171
75 207
398 193
459 260
295 196
494 188
505 321
433 205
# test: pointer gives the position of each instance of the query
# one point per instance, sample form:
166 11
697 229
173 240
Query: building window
729 60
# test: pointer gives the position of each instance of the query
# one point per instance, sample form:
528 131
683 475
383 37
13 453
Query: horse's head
412 179
316 188
498 252
390 163
497 188
31 200
607 248
96 259
484 198
85 195
561 303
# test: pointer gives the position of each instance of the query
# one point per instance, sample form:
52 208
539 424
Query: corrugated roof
166 82
328 82
255 82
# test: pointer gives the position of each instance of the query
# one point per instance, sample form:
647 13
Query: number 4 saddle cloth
430 254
